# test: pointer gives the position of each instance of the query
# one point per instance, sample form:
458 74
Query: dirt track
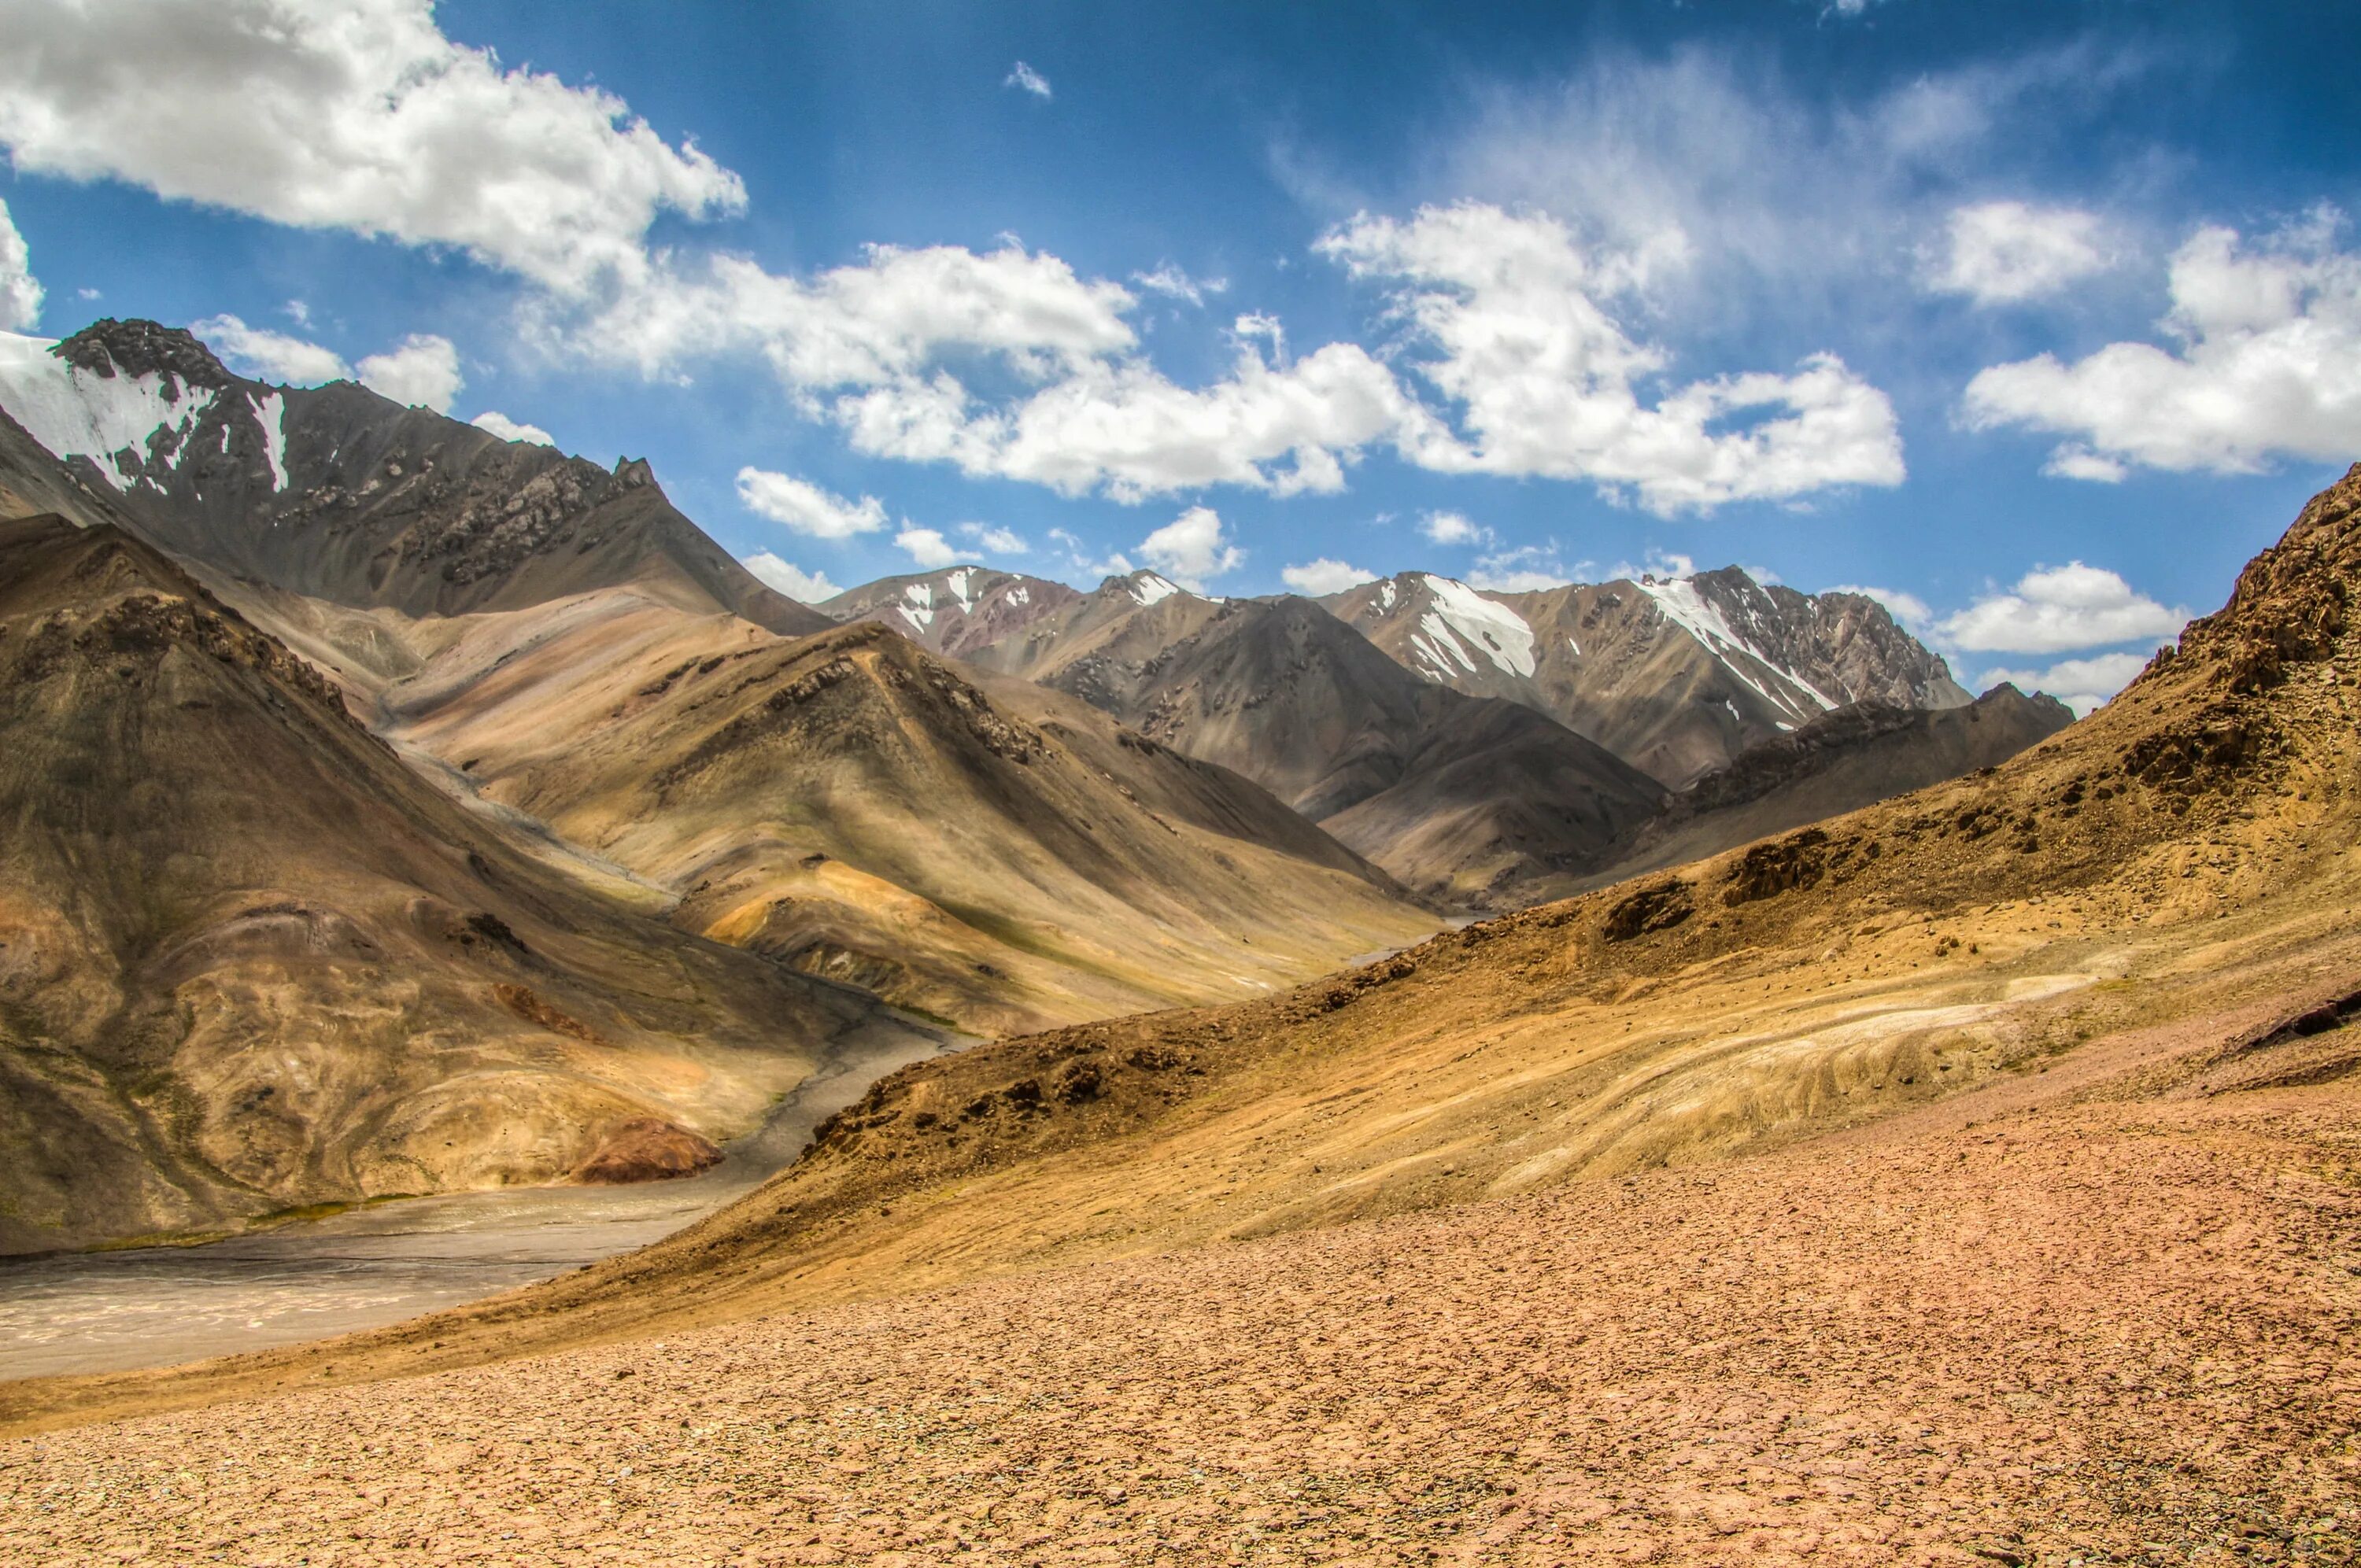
2007 1323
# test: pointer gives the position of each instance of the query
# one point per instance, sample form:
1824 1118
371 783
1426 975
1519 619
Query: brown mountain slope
1467 800
954 611
1846 759
248 961
1970 1178
2191 852
339 494
1676 675
853 806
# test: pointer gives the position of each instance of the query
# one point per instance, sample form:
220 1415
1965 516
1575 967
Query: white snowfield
77 414
918 606
1149 588
1677 600
1461 626
958 583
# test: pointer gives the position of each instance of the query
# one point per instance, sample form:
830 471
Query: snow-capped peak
1460 626
78 414
1149 588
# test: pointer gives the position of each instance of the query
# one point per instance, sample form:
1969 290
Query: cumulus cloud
1324 576
1191 548
2055 608
999 541
423 372
1528 345
927 546
806 508
2001 253
1173 284
1527 569
2082 684
360 115
1086 567
790 579
20 292
1026 79
507 429
1452 528
269 355
2265 335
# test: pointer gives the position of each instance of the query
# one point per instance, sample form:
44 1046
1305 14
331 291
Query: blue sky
1509 292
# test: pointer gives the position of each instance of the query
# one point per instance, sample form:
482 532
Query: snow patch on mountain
1465 622
918 606
271 413
959 582
1149 588
77 414
1678 600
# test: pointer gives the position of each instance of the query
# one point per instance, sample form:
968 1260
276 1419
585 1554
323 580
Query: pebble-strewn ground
2118 1331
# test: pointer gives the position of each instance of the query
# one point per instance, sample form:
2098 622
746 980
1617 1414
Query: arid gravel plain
2048 1320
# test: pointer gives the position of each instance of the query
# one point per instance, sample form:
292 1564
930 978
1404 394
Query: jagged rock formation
341 495
1675 675
1471 801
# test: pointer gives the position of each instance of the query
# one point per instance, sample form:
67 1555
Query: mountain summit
339 494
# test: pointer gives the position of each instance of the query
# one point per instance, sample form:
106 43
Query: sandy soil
2040 1321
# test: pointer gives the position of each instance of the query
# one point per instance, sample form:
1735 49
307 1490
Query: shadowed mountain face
847 803
1844 760
341 495
955 611
1463 799
1675 675
249 959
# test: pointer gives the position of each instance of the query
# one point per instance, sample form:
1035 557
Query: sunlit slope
249 960
851 806
2153 908
2190 847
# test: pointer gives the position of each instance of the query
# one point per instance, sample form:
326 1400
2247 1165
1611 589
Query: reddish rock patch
646 1149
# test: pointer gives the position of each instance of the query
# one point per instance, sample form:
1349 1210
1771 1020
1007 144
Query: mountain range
991 801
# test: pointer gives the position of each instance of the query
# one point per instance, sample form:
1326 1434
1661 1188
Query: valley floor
2107 1309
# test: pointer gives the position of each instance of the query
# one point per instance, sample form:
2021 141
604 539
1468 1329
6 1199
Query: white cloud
1172 282
1022 75
806 508
2082 684
423 372
1527 569
1547 376
360 115
2267 335
1191 548
2055 608
507 429
20 292
2072 460
87 294
298 312
884 318
927 546
1453 528
999 541
790 579
1324 576
2003 252
269 355
1656 563
1085 569
1906 608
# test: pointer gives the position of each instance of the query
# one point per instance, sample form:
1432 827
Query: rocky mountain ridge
339 494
